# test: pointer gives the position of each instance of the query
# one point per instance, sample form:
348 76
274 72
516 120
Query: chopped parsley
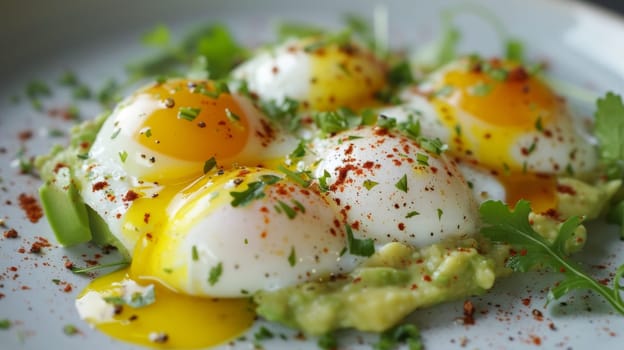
298 152
359 247
233 117
283 207
411 214
188 113
402 183
300 177
292 257
327 341
283 113
194 253
123 155
70 329
422 159
5 324
407 334
215 274
263 334
369 184
322 181
210 164
331 122
255 190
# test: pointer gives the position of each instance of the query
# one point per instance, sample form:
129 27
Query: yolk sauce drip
186 121
158 253
495 112
174 320
344 77
187 321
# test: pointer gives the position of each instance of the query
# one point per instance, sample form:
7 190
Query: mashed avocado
399 279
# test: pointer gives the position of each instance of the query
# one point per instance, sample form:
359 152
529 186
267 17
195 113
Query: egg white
366 167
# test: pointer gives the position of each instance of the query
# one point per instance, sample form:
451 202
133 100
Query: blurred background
616 5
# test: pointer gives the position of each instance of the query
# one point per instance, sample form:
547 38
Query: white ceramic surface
41 39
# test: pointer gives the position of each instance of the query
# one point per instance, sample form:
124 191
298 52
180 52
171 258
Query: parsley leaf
331 122
503 225
215 274
360 247
210 164
402 184
255 190
292 257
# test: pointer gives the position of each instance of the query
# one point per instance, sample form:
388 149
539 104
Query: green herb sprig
503 225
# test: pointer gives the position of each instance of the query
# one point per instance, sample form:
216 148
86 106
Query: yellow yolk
495 112
540 190
344 77
517 102
174 320
488 111
189 122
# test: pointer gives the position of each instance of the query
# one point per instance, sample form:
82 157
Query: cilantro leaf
503 225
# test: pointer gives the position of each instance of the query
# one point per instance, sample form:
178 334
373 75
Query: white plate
41 39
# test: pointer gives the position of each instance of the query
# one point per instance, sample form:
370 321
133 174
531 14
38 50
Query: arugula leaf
610 133
503 225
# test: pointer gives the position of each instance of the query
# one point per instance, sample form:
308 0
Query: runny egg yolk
174 320
344 76
490 106
192 123
503 94
540 190
181 123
